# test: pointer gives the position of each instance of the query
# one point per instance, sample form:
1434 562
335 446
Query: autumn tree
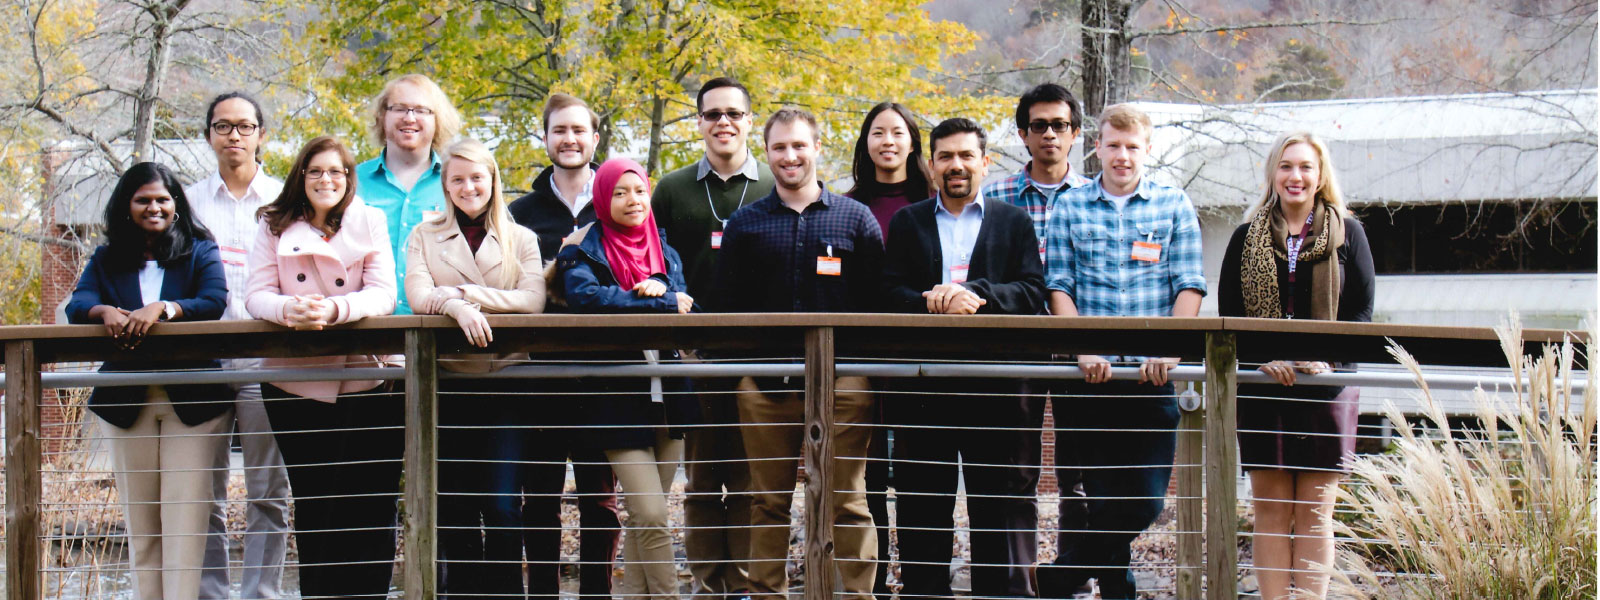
637 62
1301 72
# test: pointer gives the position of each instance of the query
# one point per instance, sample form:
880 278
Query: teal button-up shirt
378 187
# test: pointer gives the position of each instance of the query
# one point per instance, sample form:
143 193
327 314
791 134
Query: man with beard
802 249
560 203
959 253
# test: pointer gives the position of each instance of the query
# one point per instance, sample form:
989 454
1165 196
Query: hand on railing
433 303
1154 370
1283 371
650 288
471 321
953 299
1095 369
685 303
309 312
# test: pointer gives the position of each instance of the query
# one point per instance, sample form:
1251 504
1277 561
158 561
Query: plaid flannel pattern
1090 250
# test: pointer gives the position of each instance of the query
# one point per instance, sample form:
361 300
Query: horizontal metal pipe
1061 371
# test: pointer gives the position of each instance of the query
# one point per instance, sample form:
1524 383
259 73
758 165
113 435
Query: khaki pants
649 569
716 505
774 452
164 480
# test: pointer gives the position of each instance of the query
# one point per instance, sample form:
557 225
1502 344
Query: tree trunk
1107 64
155 76
658 107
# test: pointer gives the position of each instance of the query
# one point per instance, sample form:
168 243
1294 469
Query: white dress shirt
233 222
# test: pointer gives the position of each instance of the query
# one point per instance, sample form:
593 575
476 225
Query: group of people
920 231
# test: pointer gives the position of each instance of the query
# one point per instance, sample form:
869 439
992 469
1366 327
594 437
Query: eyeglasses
400 110
1056 126
225 128
717 115
320 173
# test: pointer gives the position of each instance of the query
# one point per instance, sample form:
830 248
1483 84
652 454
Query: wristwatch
170 311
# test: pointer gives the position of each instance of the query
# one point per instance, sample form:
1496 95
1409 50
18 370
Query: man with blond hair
1121 246
412 119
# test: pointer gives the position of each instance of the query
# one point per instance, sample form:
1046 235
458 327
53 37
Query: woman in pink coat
323 258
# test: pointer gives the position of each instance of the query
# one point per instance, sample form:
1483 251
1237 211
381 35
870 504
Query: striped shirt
232 222
1091 245
1021 191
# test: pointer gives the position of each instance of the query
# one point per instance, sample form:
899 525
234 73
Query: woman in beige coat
469 260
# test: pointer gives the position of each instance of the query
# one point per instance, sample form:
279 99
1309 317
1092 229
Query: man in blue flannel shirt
1129 247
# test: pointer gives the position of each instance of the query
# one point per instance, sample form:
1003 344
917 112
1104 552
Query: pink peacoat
354 268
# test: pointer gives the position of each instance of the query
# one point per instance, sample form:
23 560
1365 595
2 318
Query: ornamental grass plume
1504 509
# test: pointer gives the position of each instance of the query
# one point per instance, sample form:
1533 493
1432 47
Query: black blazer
1005 267
197 284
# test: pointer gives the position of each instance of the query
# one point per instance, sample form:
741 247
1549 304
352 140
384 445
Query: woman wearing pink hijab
621 264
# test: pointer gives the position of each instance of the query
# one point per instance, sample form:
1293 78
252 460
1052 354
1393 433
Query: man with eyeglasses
694 204
413 120
226 202
1049 120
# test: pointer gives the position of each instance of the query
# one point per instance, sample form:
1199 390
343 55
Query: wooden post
820 577
23 482
421 461
1191 508
1222 467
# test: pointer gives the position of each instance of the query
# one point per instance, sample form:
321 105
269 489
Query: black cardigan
1355 260
1005 268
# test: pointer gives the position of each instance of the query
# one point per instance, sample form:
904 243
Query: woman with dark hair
158 264
889 169
1301 255
621 265
322 257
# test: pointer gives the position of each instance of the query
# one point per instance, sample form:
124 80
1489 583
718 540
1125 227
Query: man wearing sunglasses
693 204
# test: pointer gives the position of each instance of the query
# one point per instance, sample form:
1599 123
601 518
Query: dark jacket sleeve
586 293
1357 298
91 290
209 283
900 266
868 270
676 283
1019 288
1230 298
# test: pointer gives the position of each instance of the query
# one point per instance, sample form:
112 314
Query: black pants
344 463
1000 464
545 452
480 499
878 483
1129 425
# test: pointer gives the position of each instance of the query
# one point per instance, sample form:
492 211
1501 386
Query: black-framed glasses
225 128
1056 126
315 173
717 115
399 110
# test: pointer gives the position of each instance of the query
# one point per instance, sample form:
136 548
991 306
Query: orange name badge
716 240
1147 251
830 265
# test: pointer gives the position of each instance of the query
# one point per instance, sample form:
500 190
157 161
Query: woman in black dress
1299 256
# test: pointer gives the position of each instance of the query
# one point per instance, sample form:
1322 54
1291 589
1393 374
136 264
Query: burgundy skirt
1308 428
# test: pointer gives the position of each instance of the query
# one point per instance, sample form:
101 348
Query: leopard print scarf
1264 246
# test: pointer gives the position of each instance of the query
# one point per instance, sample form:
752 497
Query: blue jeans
480 503
1122 502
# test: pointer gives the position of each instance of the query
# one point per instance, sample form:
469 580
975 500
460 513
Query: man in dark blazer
956 254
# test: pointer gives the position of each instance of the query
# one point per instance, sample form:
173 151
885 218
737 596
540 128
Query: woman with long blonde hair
1300 256
465 261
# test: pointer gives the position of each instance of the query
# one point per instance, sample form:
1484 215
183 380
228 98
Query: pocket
1159 232
1089 245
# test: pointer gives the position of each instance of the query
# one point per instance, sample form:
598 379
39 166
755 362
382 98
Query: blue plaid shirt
769 257
1090 250
1020 190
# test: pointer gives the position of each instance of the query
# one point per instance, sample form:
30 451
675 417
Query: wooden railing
1207 436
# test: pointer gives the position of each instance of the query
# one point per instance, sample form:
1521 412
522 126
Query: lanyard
713 205
1292 244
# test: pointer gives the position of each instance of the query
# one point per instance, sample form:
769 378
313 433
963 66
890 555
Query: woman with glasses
322 257
622 265
468 260
1301 255
158 264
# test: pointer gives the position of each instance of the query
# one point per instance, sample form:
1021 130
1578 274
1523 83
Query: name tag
716 240
958 273
830 265
1147 251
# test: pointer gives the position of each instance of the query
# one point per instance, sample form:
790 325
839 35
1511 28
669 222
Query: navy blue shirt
771 257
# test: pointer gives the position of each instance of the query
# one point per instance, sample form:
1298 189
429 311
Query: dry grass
1505 512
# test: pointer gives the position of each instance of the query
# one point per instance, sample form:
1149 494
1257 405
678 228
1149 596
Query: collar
775 202
938 206
1072 180
380 164
588 186
258 186
750 170
1144 190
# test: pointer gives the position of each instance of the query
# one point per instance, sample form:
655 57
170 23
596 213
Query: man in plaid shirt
1120 246
1049 120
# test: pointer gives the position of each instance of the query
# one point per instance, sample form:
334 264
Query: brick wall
59 269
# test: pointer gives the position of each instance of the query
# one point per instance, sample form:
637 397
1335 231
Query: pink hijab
634 252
